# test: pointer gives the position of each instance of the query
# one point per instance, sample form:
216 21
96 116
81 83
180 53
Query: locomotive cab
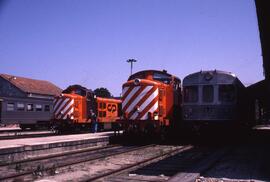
77 108
72 109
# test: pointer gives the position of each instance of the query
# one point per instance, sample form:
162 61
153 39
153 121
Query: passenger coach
26 102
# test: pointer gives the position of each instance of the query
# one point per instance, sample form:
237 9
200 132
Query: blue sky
87 42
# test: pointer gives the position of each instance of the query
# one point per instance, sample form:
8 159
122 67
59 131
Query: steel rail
146 161
74 162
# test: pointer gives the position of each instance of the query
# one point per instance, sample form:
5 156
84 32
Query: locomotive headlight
137 81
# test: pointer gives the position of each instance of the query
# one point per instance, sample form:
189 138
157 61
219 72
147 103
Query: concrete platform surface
51 139
13 150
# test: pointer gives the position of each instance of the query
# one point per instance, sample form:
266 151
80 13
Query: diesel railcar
215 99
75 107
151 102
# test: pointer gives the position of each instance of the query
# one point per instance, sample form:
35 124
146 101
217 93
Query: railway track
184 166
32 168
117 163
111 165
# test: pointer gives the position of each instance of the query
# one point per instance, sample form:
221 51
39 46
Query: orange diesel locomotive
151 102
75 107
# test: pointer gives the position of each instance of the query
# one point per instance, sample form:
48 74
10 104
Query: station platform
13 150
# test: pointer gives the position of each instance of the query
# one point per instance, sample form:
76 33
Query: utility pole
131 61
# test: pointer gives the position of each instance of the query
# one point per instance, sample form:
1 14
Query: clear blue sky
87 42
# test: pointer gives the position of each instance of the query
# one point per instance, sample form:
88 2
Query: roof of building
32 86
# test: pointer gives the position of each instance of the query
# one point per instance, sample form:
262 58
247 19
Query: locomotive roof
34 86
206 76
76 87
153 71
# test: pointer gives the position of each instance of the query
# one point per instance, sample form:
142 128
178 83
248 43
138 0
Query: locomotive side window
162 78
100 114
226 93
191 94
208 93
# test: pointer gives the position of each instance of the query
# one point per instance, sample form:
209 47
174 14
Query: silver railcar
212 98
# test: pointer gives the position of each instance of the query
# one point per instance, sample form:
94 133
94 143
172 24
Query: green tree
102 92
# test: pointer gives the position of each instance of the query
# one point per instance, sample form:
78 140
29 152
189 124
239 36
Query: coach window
191 94
20 107
226 93
30 107
47 108
38 107
208 93
10 107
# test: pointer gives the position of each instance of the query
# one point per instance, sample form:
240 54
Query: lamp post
131 61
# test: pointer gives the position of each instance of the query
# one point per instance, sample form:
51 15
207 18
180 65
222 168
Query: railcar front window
191 94
208 93
162 78
226 93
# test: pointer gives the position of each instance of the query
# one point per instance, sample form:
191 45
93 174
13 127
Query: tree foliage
102 92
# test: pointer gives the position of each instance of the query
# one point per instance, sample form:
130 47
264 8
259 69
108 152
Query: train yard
91 157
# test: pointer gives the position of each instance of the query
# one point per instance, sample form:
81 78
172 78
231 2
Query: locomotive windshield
138 76
226 93
191 94
208 93
162 77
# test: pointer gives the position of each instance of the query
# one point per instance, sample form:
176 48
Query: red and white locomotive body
150 101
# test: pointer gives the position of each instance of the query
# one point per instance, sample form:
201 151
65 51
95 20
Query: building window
10 107
100 105
47 108
38 107
20 107
30 107
104 105
208 93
